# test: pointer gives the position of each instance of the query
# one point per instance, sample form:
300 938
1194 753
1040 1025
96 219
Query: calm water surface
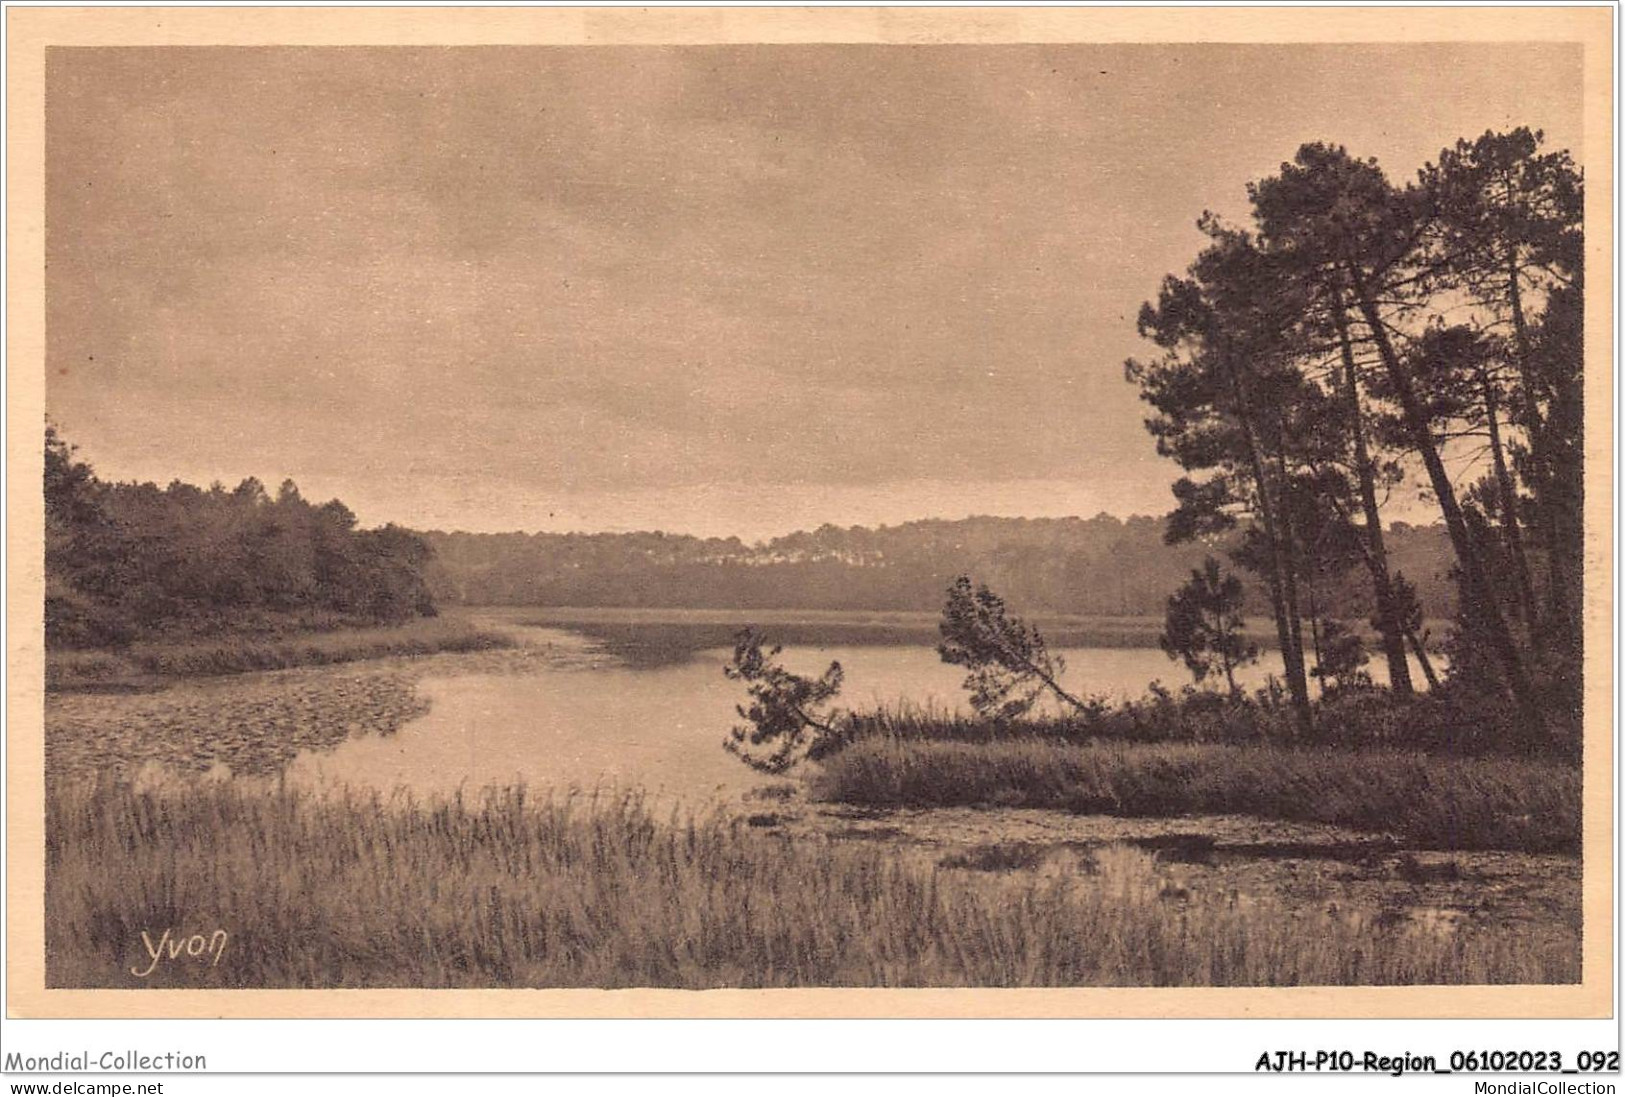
657 729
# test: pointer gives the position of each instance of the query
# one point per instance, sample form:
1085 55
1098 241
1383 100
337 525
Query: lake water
658 729
556 716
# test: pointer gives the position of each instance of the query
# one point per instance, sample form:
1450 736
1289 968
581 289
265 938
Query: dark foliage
786 710
1343 658
1203 626
126 561
1008 665
1356 334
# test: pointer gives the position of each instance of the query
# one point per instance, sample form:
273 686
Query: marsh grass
148 662
1430 800
511 891
1352 718
1000 857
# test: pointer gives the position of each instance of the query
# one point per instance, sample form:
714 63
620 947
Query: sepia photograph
784 515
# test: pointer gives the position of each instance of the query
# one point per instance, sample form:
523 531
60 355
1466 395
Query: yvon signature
173 947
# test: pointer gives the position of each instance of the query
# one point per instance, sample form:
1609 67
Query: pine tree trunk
1556 475
1297 683
1560 509
1314 627
1520 340
1285 597
1564 507
1509 505
1393 636
1474 577
1226 640
1559 503
1422 659
1286 555
1411 637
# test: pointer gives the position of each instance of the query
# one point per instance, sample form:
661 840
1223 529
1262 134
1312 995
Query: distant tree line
1358 334
125 561
1100 565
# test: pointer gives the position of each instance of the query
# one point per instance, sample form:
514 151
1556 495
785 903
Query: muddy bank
1324 871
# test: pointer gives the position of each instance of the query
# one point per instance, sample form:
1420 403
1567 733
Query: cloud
605 271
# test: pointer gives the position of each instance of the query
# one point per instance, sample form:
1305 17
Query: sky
731 290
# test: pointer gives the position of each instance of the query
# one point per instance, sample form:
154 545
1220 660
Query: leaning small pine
786 709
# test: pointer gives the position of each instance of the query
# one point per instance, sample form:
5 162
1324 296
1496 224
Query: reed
1351 718
508 890
1432 800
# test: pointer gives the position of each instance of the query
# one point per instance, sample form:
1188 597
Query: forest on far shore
131 561
1094 566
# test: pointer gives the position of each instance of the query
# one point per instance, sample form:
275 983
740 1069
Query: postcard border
30 31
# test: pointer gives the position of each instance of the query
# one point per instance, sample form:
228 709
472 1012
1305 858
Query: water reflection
657 730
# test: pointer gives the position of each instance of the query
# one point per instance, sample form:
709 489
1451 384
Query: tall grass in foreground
1430 800
511 892
236 654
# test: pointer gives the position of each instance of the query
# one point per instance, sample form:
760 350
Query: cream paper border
30 31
